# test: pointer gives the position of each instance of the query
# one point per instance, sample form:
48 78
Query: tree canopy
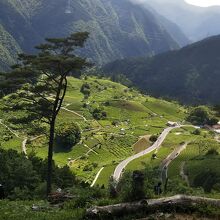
38 83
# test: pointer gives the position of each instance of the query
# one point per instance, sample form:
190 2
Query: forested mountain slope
8 49
191 74
118 29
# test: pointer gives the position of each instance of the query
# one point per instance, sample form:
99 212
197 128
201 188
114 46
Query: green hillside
190 75
107 141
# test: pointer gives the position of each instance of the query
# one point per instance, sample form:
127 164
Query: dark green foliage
112 187
196 132
121 78
153 138
177 186
190 74
67 135
206 179
216 108
201 116
99 114
40 82
137 185
138 192
213 121
212 152
85 89
85 196
17 174
25 178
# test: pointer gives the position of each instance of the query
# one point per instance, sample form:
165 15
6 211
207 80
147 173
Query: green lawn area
105 175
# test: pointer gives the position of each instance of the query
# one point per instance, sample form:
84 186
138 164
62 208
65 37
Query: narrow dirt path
90 149
75 113
24 142
24 149
96 177
24 139
13 132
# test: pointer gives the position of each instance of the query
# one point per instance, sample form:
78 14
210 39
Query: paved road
169 159
119 169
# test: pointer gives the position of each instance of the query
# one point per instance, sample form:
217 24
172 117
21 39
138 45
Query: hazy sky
203 3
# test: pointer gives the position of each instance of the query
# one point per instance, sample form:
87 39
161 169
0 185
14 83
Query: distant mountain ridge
196 22
190 75
118 29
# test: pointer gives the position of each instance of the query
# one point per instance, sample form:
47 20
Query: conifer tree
40 81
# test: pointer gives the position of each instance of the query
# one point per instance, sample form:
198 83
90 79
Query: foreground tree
40 82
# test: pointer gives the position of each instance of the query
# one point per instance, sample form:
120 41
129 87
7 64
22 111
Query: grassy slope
137 115
105 145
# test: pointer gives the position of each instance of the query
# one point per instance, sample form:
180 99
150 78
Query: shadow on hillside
60 149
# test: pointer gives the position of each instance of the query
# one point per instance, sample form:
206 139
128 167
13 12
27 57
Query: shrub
99 114
24 178
201 116
212 121
196 132
212 151
198 116
206 179
131 187
115 122
153 138
85 89
67 135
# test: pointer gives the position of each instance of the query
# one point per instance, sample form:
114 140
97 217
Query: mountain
196 22
191 74
118 29
8 49
172 28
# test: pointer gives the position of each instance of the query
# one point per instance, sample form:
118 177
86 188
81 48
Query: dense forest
118 29
190 75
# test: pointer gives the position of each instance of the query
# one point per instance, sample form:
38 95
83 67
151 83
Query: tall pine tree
40 81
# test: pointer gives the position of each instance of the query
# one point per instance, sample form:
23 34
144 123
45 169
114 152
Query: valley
109 109
107 142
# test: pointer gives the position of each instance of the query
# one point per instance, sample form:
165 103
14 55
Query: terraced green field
108 141
103 144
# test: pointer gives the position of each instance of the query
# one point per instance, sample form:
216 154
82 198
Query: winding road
121 166
169 159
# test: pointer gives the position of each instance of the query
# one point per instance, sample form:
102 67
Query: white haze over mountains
195 22
200 3
203 3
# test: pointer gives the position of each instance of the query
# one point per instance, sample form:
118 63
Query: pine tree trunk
50 157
